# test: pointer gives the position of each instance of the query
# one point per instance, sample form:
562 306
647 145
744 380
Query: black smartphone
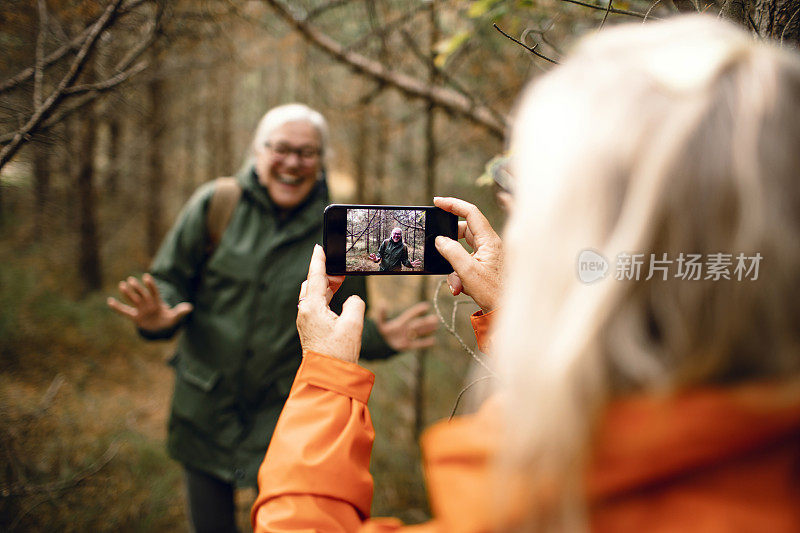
386 239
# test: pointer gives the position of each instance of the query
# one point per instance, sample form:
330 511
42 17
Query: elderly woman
633 403
228 272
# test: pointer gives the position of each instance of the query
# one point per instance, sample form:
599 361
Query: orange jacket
708 460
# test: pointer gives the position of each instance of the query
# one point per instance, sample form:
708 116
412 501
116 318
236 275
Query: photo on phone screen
365 240
385 240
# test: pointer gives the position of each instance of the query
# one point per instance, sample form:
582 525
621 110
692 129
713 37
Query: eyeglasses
307 153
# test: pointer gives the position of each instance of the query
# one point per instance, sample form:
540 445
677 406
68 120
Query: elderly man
393 254
236 298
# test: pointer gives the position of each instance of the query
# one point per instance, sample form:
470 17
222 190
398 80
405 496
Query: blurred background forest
113 112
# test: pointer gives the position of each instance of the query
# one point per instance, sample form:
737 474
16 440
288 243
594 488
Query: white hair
283 114
669 137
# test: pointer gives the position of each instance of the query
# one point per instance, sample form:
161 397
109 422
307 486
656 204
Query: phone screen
369 239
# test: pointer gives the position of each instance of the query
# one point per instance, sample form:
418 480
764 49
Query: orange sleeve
315 476
481 324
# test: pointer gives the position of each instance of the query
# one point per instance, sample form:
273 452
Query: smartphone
385 239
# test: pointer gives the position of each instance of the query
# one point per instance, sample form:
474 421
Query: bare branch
152 35
387 28
476 100
72 45
110 83
451 328
464 390
74 70
649 9
447 99
39 68
612 10
605 15
362 231
531 49
786 27
317 11
542 33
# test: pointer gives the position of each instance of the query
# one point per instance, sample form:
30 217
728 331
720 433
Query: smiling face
289 163
397 234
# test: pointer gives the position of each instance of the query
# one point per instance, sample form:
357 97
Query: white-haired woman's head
288 152
650 145
282 114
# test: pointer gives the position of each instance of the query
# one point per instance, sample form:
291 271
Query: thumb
454 253
181 310
353 311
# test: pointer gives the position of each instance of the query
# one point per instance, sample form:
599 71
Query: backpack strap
227 192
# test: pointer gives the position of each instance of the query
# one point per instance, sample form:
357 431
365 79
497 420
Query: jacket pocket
195 399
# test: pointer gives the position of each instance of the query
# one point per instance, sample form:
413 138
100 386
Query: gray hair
696 151
283 114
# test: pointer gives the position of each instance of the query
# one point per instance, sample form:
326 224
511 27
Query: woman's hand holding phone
479 274
320 329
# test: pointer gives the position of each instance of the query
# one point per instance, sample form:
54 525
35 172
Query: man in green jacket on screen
235 296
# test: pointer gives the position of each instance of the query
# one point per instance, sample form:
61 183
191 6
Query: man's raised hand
147 310
409 330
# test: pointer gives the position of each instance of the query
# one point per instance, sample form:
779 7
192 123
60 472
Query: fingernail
451 287
440 240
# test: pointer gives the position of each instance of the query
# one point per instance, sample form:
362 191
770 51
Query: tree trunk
430 188
155 162
223 123
41 180
114 153
89 246
381 153
361 156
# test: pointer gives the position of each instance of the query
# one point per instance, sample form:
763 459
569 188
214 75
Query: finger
475 219
334 282
303 290
134 284
129 293
455 254
425 326
353 312
470 238
317 279
413 311
120 308
462 228
454 282
181 310
150 283
422 342
381 315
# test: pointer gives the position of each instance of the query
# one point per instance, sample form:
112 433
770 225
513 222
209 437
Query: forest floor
84 404
362 263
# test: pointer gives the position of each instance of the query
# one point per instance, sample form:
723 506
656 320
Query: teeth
290 180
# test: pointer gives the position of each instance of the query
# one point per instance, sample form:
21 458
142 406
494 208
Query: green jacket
240 350
393 255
